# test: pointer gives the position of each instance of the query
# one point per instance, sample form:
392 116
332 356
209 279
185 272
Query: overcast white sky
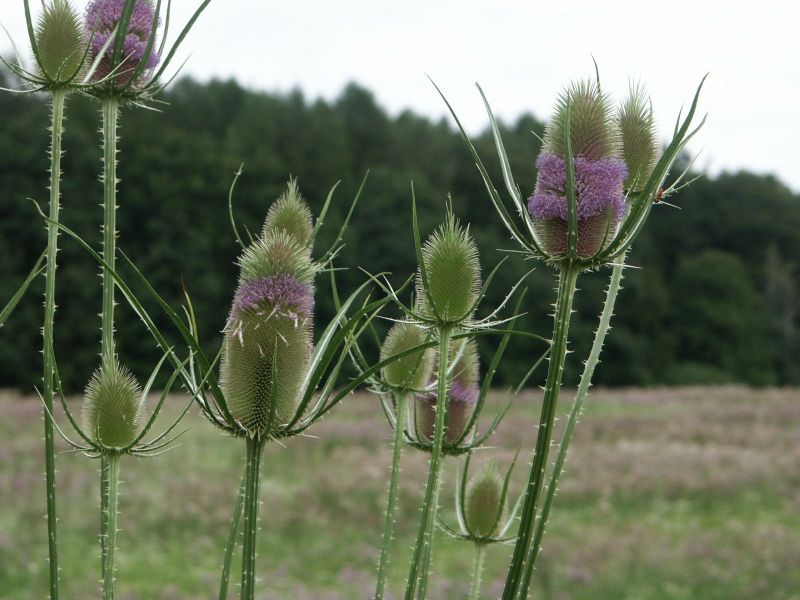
522 52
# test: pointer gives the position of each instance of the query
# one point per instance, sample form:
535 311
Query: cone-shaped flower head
102 17
639 144
599 173
59 37
453 273
268 337
483 510
413 370
464 394
113 407
291 214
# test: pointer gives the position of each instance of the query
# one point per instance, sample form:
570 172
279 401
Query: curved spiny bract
290 213
452 275
59 37
263 366
113 408
414 370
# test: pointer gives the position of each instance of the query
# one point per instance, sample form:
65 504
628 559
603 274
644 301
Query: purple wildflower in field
102 16
598 187
283 294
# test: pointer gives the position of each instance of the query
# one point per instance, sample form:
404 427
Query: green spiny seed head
639 145
290 213
59 37
450 258
411 371
277 253
594 131
482 502
113 407
264 362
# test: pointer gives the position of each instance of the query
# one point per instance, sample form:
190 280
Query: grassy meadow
669 494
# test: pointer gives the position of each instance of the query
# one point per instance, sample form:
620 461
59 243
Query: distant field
669 494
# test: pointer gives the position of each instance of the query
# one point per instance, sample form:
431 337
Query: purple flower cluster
598 186
282 293
459 394
102 16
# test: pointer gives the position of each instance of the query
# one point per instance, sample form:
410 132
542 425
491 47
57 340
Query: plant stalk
255 447
57 131
420 561
110 122
230 547
112 491
583 391
518 572
477 571
391 504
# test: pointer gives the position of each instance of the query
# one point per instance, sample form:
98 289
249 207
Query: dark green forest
715 299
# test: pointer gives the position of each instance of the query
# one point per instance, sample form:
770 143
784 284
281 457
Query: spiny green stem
477 571
230 546
391 504
518 572
420 561
255 446
583 391
57 130
104 475
110 119
112 491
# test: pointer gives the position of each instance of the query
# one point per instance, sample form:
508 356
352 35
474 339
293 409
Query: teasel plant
482 515
258 398
600 174
62 66
448 293
407 392
113 423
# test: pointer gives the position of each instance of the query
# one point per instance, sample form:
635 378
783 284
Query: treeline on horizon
714 302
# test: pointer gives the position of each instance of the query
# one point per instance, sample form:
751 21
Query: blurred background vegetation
715 302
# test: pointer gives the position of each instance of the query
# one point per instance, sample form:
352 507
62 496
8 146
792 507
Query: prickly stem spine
477 570
255 447
519 570
420 562
583 391
57 130
110 121
391 504
112 497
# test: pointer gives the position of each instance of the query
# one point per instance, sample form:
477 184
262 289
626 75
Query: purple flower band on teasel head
283 293
459 394
102 16
598 186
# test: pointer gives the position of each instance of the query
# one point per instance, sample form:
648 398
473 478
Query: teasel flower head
290 213
449 279
268 336
484 508
412 371
481 505
639 144
463 395
113 407
130 65
599 172
60 43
